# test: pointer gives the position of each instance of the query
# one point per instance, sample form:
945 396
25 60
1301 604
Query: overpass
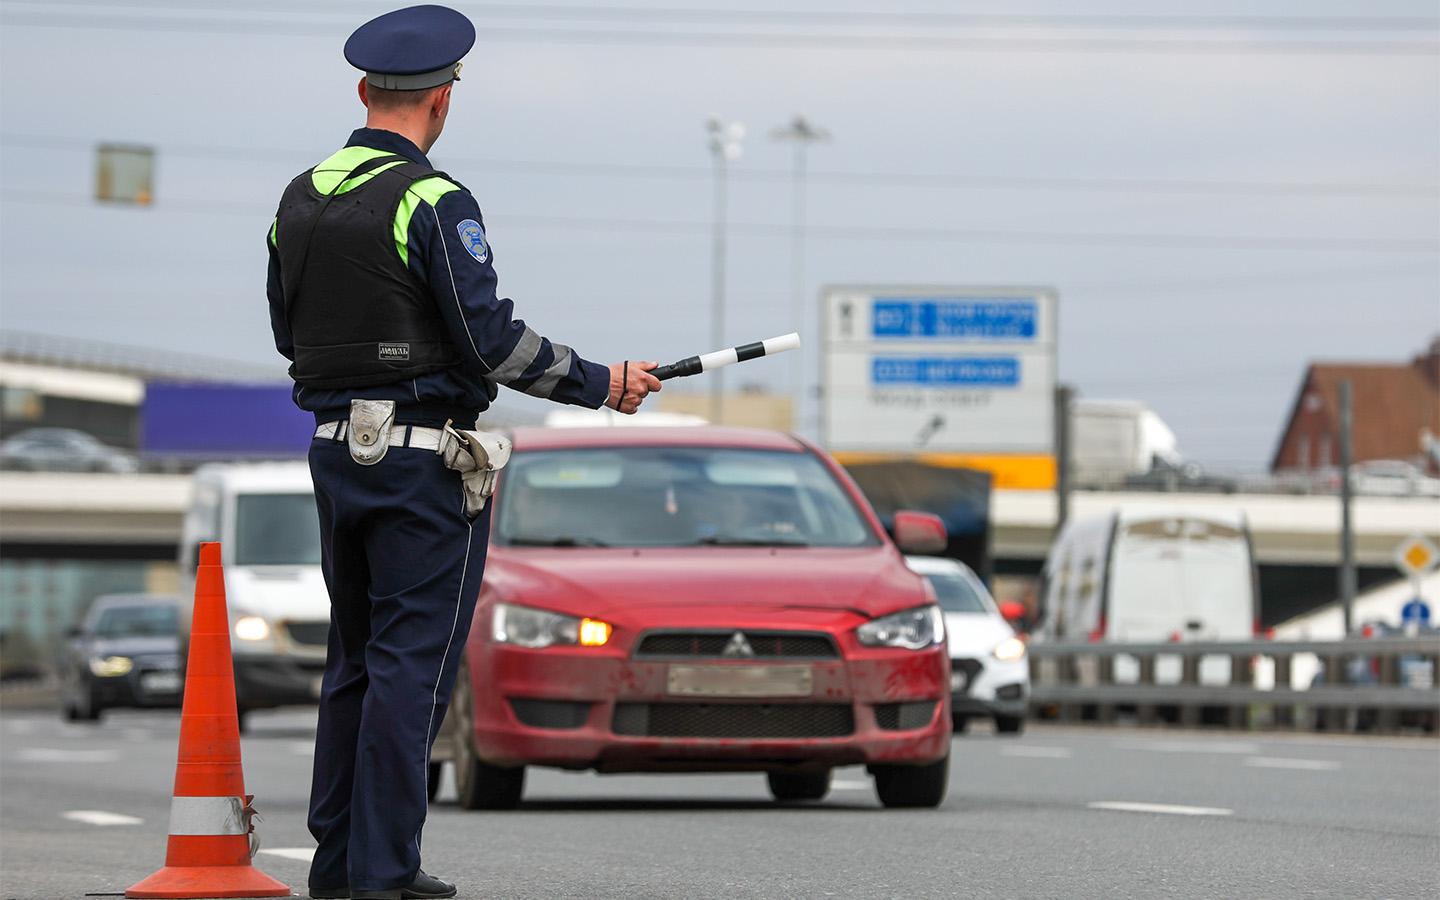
140 516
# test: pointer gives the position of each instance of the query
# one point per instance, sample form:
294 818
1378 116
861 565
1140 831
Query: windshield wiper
721 540
564 541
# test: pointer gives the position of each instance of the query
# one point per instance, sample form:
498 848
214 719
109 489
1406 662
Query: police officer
382 291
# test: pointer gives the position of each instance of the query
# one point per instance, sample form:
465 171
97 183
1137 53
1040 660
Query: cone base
194 882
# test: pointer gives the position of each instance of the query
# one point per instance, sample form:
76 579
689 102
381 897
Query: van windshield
675 497
276 530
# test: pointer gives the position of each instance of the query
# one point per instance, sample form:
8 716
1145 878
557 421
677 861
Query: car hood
134 646
975 634
292 593
869 581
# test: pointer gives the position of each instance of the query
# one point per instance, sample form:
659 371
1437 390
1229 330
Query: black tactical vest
358 317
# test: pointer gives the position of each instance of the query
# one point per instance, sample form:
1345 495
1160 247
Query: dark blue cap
411 49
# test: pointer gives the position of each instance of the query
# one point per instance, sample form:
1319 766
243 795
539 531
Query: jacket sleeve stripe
544 386
526 349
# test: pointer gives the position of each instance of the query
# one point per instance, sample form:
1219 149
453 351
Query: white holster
478 456
369 434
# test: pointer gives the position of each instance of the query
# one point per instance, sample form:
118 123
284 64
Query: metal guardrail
1373 684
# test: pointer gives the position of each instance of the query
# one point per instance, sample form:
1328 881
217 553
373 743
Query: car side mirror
920 533
1012 611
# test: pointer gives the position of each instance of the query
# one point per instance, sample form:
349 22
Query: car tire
478 784
83 707
958 724
796 787
432 780
913 787
1009 724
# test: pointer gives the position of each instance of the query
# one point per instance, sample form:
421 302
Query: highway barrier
1384 684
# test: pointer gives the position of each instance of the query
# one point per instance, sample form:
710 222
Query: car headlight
252 628
536 628
1009 650
112 666
913 629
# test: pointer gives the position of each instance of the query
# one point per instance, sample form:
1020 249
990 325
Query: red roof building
1396 409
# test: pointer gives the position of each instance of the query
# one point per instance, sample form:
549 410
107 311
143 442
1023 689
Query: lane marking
53 755
851 786
1303 765
1037 752
303 854
1236 748
100 817
1162 808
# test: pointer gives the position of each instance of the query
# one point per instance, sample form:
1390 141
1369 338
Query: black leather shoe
340 893
424 887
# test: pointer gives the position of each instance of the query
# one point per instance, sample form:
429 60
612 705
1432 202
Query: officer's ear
440 103
364 94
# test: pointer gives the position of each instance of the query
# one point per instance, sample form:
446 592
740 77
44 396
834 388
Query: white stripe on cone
208 815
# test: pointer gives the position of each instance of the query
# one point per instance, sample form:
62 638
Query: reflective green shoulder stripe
427 190
274 230
326 175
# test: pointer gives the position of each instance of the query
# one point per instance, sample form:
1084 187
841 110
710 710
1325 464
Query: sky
1219 192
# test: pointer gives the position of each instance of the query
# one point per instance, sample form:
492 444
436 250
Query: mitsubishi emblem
738 646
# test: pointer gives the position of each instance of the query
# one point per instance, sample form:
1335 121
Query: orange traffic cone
209 848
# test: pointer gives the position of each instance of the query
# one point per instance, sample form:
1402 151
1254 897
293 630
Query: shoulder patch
473 237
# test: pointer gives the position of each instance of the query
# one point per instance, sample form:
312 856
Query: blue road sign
1416 611
953 371
941 318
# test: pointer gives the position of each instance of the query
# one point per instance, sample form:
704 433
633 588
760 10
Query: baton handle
688 366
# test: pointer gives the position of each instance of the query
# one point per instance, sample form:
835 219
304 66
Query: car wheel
1009 724
958 724
479 784
432 780
902 787
83 707
792 787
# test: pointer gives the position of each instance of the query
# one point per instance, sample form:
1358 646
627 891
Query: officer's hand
627 396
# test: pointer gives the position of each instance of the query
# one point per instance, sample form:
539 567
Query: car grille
904 716
764 644
316 634
971 667
734 720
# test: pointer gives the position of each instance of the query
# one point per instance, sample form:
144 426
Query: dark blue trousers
403 565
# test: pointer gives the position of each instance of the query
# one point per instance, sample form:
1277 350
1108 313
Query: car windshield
276 530
956 593
675 497
150 620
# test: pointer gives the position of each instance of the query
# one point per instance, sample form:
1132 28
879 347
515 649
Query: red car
698 599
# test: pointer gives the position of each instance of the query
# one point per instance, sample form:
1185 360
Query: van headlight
251 628
112 666
913 629
1009 650
536 628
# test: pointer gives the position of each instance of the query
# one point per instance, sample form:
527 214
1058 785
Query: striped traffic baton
707 362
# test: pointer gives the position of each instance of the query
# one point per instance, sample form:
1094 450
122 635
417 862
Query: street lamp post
725 138
802 134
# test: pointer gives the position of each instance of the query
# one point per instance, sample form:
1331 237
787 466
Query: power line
1414 190
770 40
828 18
843 232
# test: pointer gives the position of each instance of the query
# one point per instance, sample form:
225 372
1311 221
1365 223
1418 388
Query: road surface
1059 812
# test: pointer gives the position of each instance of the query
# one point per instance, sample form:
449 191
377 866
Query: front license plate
160 682
741 681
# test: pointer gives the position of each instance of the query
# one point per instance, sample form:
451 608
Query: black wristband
624 385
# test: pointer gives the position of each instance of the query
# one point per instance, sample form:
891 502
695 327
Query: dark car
125 654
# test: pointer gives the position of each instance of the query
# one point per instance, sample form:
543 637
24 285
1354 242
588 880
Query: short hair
385 98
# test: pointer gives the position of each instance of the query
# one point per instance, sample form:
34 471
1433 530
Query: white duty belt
415 436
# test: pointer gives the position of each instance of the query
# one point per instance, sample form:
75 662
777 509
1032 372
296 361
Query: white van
1152 577
263 515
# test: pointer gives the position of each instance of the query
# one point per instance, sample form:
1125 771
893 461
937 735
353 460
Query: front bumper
989 687
595 708
135 689
263 680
